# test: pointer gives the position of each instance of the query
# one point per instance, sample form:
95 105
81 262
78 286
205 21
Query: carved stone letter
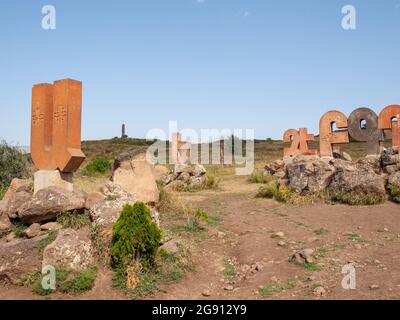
328 138
386 122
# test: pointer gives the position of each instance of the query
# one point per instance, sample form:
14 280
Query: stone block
52 178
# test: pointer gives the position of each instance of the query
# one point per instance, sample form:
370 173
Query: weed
74 220
229 269
357 198
313 267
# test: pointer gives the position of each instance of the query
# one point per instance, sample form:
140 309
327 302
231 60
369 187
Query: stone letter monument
56 133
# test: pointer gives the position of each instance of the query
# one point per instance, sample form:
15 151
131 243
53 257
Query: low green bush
394 192
97 166
135 237
354 198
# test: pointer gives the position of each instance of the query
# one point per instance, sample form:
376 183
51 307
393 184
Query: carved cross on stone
56 126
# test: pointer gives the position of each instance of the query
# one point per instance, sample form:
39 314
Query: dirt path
242 236
368 237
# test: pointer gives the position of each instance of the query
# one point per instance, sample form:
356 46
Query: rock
392 169
10 237
303 256
279 234
18 185
51 226
11 205
342 155
5 223
72 249
92 199
107 211
32 231
184 176
394 179
274 167
46 204
161 171
245 268
221 235
170 247
357 177
206 293
19 257
281 243
319 291
198 170
312 175
228 288
374 287
136 175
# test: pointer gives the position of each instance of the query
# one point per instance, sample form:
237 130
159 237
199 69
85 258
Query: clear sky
250 64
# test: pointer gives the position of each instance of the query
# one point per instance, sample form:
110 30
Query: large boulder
47 203
309 175
274 167
71 249
18 185
18 257
357 177
394 179
11 205
136 175
106 211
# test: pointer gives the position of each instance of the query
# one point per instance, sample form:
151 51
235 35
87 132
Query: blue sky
250 64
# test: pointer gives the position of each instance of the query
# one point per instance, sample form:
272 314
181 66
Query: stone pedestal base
52 178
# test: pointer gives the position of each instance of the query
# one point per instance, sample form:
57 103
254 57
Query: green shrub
134 237
13 164
51 236
354 198
97 166
20 227
394 192
257 178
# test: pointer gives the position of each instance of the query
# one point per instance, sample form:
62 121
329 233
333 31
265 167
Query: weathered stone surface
170 246
107 211
5 223
18 185
72 249
56 126
134 174
33 231
51 226
394 179
11 205
356 177
328 140
274 167
186 177
309 175
45 205
92 199
18 257
44 179
342 155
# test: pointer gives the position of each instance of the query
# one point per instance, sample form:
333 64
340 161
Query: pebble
279 234
228 288
374 287
319 291
281 243
206 293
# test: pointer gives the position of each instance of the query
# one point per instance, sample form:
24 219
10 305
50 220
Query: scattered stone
9 207
49 226
245 268
374 287
281 243
303 256
221 234
18 257
358 246
170 247
10 237
206 293
279 234
92 199
72 249
319 291
46 204
228 288
32 231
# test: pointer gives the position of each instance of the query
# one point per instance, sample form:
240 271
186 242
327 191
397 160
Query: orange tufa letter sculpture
298 140
386 122
327 137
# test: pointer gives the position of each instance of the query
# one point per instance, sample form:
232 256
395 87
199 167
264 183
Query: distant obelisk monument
123 134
